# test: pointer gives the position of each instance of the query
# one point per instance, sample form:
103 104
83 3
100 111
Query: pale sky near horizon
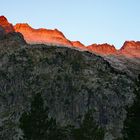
89 21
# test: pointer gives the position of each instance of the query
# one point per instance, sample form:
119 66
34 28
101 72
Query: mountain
70 82
78 44
131 49
42 36
102 49
6 25
127 59
56 37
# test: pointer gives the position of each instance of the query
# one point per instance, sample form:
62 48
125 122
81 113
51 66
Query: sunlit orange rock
55 37
8 27
79 45
102 49
42 36
130 49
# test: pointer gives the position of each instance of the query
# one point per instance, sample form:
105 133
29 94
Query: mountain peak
78 44
22 25
130 49
8 27
56 37
3 19
41 35
103 49
131 45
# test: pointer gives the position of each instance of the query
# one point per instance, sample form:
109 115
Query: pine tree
36 124
88 130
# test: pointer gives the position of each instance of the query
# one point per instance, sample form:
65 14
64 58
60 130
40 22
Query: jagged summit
130 49
41 35
131 45
3 19
56 37
103 49
79 45
8 27
21 27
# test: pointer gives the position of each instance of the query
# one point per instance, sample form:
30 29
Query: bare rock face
79 45
102 49
6 25
42 36
130 49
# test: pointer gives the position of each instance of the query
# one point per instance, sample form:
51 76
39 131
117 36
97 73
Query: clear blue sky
89 21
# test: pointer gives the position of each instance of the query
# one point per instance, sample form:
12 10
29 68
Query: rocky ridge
127 59
6 25
55 37
130 49
42 36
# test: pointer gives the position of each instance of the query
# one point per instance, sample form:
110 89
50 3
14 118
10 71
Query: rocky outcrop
42 36
102 49
130 49
78 44
131 45
6 25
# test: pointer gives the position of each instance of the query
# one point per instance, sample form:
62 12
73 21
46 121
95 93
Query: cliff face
71 82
